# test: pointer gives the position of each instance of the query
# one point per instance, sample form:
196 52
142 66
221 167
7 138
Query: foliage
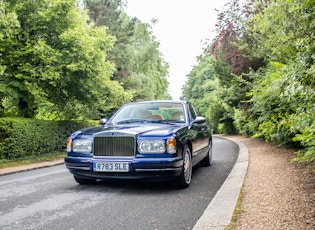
9 28
139 66
22 138
233 63
263 61
203 89
201 82
285 93
56 63
233 44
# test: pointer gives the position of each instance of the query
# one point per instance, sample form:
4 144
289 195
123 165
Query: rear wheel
84 181
184 179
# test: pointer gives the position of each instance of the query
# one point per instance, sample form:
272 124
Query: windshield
153 111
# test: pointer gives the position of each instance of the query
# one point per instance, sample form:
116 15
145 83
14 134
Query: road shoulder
219 212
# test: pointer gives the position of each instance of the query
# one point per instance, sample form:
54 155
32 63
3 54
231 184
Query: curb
219 212
12 170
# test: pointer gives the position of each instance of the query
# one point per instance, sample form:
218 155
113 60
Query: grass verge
39 159
237 212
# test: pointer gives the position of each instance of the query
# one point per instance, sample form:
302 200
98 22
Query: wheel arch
189 144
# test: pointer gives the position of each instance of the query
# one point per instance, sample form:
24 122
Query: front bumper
139 168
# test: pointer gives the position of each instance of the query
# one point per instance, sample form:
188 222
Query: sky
182 29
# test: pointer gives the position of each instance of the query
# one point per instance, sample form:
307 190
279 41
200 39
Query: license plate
111 166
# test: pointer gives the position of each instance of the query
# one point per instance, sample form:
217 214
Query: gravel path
276 194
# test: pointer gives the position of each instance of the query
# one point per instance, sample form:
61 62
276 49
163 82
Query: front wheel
207 161
184 179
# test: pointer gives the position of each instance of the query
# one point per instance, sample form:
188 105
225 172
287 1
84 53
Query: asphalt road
49 198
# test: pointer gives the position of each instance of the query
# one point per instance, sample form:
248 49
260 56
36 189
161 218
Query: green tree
232 49
139 66
9 28
56 63
283 93
147 62
264 63
203 88
201 83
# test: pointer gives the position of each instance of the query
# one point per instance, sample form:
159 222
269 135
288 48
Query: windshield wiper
133 120
172 121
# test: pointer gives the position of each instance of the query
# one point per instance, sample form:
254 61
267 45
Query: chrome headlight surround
151 146
82 145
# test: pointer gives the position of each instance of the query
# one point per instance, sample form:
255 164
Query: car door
199 134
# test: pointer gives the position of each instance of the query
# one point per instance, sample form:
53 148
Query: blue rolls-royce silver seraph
142 140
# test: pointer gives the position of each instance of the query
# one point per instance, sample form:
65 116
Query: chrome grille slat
120 146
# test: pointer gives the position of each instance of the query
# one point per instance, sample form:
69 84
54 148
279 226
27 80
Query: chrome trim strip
157 170
76 167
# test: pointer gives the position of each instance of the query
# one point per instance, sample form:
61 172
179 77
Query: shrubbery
22 138
262 61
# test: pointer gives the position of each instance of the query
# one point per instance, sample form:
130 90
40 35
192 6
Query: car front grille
120 146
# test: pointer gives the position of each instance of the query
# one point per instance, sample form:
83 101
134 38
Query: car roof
159 101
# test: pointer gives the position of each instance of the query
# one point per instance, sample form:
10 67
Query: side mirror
103 121
199 120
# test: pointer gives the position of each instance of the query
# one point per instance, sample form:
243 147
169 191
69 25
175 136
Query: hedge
22 138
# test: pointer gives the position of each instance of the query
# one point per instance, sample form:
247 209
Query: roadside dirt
276 193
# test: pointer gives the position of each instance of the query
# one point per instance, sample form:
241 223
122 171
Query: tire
84 181
207 161
184 179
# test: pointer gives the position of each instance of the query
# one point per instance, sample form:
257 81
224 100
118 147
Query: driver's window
192 112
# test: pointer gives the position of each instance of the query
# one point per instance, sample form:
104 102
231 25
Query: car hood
143 129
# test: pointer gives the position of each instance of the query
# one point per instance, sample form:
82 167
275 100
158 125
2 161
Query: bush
22 138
